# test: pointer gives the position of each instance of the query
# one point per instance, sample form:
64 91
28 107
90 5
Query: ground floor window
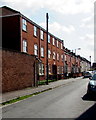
35 49
49 67
58 67
24 46
41 69
62 69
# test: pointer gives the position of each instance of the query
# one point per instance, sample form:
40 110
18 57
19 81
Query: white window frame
35 31
62 57
25 46
24 24
42 51
58 57
65 57
42 34
49 53
49 68
58 69
61 46
54 55
49 38
57 43
35 49
53 41
41 69
62 69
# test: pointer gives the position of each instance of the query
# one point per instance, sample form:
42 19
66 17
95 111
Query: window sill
36 55
41 74
54 59
35 36
24 30
42 56
42 39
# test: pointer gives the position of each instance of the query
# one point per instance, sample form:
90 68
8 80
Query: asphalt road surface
67 101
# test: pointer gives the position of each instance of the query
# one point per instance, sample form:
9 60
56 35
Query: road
67 101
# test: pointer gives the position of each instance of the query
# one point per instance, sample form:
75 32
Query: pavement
31 90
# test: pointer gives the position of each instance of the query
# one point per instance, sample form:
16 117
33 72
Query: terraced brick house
22 34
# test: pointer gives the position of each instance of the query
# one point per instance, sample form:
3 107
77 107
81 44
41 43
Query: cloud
83 25
88 22
59 6
87 19
89 38
71 6
58 29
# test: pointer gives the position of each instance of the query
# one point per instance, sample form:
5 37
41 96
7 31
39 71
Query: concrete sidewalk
15 94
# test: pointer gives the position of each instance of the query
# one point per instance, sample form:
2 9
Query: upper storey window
53 41
42 35
61 46
57 44
35 49
42 51
48 38
24 25
35 31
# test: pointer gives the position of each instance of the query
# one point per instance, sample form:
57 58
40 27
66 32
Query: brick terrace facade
22 34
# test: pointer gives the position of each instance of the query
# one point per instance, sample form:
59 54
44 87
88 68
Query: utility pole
47 70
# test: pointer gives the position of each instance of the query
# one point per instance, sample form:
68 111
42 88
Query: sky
69 20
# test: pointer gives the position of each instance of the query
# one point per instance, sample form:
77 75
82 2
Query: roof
15 11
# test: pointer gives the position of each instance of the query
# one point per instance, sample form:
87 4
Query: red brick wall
31 40
7 11
11 32
17 71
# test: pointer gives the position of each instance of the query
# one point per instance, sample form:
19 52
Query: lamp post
47 71
75 58
77 49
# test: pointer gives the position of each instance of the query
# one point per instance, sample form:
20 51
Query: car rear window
94 77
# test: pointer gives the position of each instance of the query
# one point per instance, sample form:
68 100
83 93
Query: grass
23 97
15 100
43 82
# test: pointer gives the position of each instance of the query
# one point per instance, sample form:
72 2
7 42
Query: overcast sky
70 20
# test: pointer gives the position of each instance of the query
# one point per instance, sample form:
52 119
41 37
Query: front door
54 71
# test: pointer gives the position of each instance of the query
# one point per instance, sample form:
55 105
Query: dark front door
54 69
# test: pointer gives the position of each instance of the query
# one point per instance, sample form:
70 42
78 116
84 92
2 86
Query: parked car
87 75
91 89
94 72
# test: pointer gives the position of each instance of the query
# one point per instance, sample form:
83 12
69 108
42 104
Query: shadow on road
89 97
90 114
